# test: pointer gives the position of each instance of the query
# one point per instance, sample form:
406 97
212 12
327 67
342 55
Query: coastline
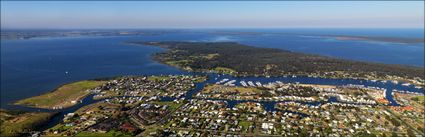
235 74
417 81
232 74
73 92
195 91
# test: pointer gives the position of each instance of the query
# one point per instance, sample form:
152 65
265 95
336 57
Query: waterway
268 105
33 67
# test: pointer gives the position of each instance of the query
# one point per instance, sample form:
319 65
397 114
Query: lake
35 66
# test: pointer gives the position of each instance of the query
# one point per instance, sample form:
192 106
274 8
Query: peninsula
242 60
63 97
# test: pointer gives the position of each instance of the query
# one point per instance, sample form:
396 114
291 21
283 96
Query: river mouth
268 105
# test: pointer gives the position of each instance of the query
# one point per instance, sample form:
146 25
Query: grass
63 96
224 70
211 56
7 114
177 63
60 127
419 99
14 124
171 104
107 134
245 124
200 79
158 78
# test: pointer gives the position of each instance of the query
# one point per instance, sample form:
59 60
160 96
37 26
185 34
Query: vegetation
224 70
245 124
238 59
16 123
419 99
200 79
65 96
171 104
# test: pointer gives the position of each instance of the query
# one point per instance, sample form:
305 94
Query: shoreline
338 74
209 80
236 74
239 76
73 92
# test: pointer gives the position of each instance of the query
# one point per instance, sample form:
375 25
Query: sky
212 14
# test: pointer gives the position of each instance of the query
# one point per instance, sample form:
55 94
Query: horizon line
135 28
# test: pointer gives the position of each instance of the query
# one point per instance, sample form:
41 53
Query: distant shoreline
378 39
31 34
254 61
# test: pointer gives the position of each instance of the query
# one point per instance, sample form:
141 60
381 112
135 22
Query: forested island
242 60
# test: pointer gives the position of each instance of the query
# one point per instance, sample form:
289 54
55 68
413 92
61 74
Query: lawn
171 104
63 96
245 124
158 78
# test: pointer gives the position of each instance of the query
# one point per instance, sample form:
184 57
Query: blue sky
212 14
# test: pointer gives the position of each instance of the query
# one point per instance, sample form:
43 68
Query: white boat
394 81
406 84
243 83
258 84
250 83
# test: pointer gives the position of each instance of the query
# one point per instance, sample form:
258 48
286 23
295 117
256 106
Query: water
32 67
35 66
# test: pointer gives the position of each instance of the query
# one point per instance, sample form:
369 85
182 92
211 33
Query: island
242 60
